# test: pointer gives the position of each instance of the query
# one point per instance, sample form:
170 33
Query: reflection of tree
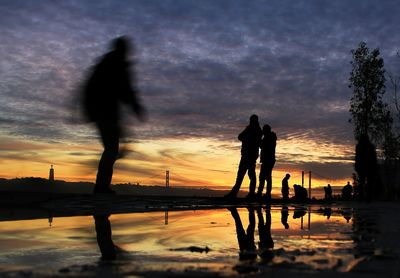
104 240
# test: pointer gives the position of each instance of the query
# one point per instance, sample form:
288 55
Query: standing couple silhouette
253 139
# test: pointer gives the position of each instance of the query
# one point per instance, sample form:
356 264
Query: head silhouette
254 120
266 129
121 45
287 176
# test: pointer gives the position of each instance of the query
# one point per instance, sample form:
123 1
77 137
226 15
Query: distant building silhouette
51 173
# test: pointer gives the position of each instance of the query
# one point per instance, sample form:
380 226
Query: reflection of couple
246 238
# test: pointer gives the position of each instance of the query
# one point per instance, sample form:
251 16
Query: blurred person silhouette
285 187
266 243
284 216
267 159
109 86
104 240
328 192
245 238
250 138
347 192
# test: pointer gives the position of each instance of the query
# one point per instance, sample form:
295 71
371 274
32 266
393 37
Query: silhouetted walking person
250 138
366 167
267 158
104 240
107 88
285 187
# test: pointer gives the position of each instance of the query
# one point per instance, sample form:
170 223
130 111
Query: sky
202 68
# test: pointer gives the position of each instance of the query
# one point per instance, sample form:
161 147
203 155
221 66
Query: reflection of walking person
267 158
108 86
250 138
104 240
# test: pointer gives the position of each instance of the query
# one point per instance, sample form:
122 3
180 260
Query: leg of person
261 181
109 133
243 165
251 172
270 166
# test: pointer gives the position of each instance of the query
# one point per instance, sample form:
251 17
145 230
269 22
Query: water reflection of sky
160 239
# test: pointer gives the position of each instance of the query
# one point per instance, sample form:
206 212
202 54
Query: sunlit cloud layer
202 67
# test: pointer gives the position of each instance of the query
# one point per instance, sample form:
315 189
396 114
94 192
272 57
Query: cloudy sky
202 68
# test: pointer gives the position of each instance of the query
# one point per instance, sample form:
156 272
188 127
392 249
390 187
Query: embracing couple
253 139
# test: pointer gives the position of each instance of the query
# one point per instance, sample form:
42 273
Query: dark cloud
203 67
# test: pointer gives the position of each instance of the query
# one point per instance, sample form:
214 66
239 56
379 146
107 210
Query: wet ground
293 240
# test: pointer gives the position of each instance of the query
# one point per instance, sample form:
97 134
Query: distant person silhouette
284 216
107 88
328 192
347 192
267 159
300 193
285 187
104 240
250 138
266 243
366 167
245 238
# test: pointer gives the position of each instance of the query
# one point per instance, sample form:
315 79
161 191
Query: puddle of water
235 240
